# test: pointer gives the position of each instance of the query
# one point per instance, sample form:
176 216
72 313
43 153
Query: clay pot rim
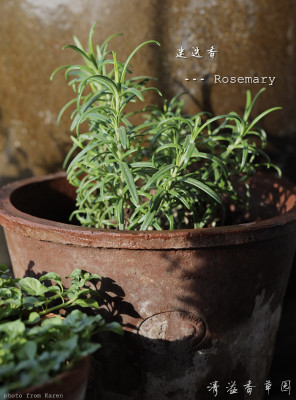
47 230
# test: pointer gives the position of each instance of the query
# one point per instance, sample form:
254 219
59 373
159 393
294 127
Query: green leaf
51 276
248 107
12 329
57 70
28 351
211 120
147 221
75 274
33 319
114 327
182 199
90 36
189 151
89 302
54 289
123 136
135 92
168 146
32 286
214 159
103 80
77 42
158 175
250 104
106 42
244 155
66 106
30 302
128 177
202 187
94 276
172 121
3 269
68 344
120 214
125 66
89 60
257 119
53 322
142 164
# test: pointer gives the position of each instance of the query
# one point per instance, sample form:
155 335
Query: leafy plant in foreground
31 299
171 171
31 352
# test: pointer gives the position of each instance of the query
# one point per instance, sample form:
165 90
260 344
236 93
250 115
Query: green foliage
36 346
171 171
31 298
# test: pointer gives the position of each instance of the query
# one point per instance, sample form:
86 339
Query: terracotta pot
69 385
198 305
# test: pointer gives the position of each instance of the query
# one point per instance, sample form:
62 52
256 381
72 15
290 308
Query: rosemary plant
171 171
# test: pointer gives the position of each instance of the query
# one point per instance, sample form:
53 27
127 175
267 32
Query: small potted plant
195 247
44 354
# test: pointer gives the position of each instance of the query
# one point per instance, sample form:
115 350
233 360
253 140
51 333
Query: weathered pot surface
198 305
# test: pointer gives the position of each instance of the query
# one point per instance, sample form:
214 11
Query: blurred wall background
252 37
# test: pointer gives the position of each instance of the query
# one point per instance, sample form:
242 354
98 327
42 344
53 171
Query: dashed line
195 79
